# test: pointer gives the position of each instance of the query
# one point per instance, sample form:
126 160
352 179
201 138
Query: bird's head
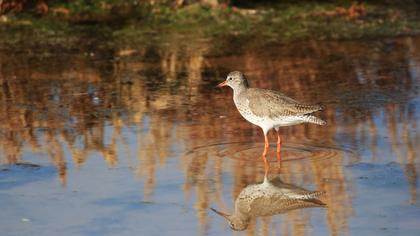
235 80
235 223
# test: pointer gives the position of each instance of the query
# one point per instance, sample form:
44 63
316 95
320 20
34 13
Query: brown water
137 141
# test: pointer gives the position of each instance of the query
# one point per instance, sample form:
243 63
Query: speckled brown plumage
264 102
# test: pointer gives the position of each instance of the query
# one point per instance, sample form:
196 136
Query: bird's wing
270 103
266 206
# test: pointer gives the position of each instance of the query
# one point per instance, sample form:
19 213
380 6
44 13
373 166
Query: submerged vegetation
61 22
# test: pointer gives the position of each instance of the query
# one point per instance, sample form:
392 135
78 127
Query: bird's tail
314 120
316 194
310 195
307 109
313 197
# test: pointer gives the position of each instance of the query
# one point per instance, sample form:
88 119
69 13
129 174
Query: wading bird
268 109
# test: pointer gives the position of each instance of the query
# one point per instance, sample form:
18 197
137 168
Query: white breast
246 113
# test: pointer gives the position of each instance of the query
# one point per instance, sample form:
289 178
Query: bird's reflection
268 198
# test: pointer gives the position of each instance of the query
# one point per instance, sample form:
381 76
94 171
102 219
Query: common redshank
267 199
268 109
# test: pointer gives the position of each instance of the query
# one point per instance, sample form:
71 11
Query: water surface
135 140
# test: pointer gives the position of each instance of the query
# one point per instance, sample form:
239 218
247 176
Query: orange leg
278 147
266 145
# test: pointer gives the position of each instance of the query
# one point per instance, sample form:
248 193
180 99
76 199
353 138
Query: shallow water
136 140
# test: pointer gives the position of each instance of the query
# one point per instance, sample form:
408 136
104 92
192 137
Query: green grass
120 23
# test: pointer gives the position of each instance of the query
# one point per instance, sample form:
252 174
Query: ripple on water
249 151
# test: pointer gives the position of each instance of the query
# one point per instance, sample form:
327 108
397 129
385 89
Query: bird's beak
224 83
220 213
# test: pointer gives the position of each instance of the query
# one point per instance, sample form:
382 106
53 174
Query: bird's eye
229 78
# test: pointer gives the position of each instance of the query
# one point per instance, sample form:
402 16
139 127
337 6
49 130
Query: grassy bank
66 23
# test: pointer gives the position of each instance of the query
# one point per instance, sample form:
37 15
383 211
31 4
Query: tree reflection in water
162 95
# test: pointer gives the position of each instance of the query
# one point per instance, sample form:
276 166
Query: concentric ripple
249 151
